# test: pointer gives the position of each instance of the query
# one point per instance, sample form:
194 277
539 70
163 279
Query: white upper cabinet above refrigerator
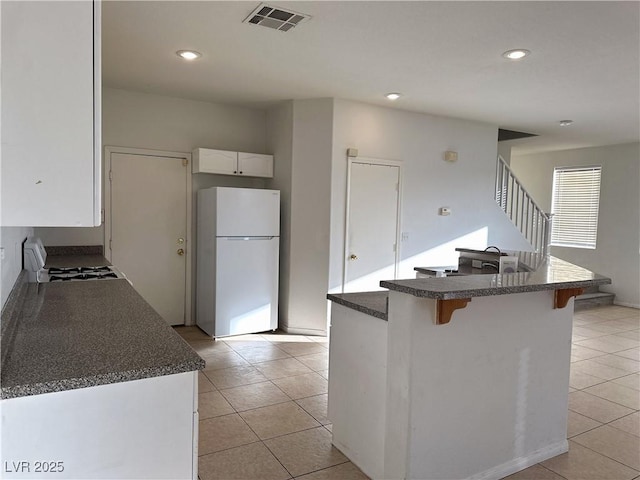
255 164
208 160
51 133
224 162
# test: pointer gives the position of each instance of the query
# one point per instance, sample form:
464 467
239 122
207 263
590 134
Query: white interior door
372 228
148 227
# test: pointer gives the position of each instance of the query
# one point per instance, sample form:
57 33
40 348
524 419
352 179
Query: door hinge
110 175
109 244
394 247
397 187
185 162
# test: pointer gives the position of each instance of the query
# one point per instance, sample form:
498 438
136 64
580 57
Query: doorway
372 223
147 213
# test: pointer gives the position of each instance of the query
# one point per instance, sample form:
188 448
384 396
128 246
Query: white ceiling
445 57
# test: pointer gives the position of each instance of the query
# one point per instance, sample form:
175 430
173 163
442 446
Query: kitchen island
459 377
94 385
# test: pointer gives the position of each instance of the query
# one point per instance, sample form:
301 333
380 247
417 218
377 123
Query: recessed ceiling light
516 54
188 54
393 96
565 123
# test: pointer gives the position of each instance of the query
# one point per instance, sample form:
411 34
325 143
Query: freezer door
246 285
247 212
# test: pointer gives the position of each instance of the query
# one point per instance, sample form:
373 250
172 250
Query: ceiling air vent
275 18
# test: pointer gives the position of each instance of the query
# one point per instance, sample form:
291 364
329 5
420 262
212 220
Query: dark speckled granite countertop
550 274
371 303
547 274
71 335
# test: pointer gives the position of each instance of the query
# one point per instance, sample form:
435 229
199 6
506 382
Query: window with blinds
575 202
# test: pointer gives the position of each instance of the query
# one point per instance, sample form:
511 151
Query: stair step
594 289
592 300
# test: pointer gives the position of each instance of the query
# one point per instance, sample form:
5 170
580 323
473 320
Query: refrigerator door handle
249 238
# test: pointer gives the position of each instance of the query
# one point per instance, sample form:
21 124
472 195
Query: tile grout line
607 456
552 471
606 399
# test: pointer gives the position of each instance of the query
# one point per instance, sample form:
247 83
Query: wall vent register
275 18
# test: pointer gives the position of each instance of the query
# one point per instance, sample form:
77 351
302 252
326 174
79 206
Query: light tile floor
263 406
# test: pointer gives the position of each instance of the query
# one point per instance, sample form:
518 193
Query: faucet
491 246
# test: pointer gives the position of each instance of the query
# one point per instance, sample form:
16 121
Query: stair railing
521 208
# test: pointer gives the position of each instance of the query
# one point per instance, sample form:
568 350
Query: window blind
575 203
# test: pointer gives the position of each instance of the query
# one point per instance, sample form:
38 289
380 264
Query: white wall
617 254
133 119
11 239
300 135
309 251
315 189
280 144
419 142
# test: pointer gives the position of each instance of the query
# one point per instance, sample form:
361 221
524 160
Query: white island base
480 397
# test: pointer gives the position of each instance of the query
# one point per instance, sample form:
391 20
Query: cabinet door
206 160
50 113
255 165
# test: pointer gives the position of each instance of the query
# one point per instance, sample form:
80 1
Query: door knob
180 251
353 257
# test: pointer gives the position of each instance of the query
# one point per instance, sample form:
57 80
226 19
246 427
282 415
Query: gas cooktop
66 274
35 257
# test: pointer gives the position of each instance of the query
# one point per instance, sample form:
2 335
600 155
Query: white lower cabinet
224 162
141 429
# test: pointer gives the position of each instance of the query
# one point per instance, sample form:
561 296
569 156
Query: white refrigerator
238 244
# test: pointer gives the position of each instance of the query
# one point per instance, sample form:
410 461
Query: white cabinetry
206 160
255 164
50 113
142 429
223 162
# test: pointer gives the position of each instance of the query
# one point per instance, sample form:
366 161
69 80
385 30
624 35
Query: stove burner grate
63 270
104 269
83 276
57 278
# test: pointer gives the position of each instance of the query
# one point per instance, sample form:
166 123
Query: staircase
535 226
592 298
521 208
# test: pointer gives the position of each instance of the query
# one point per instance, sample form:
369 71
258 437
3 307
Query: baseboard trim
626 304
303 331
520 463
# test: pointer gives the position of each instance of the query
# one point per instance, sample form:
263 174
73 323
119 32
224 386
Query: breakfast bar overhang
453 378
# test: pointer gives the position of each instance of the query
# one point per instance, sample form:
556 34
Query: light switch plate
451 156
